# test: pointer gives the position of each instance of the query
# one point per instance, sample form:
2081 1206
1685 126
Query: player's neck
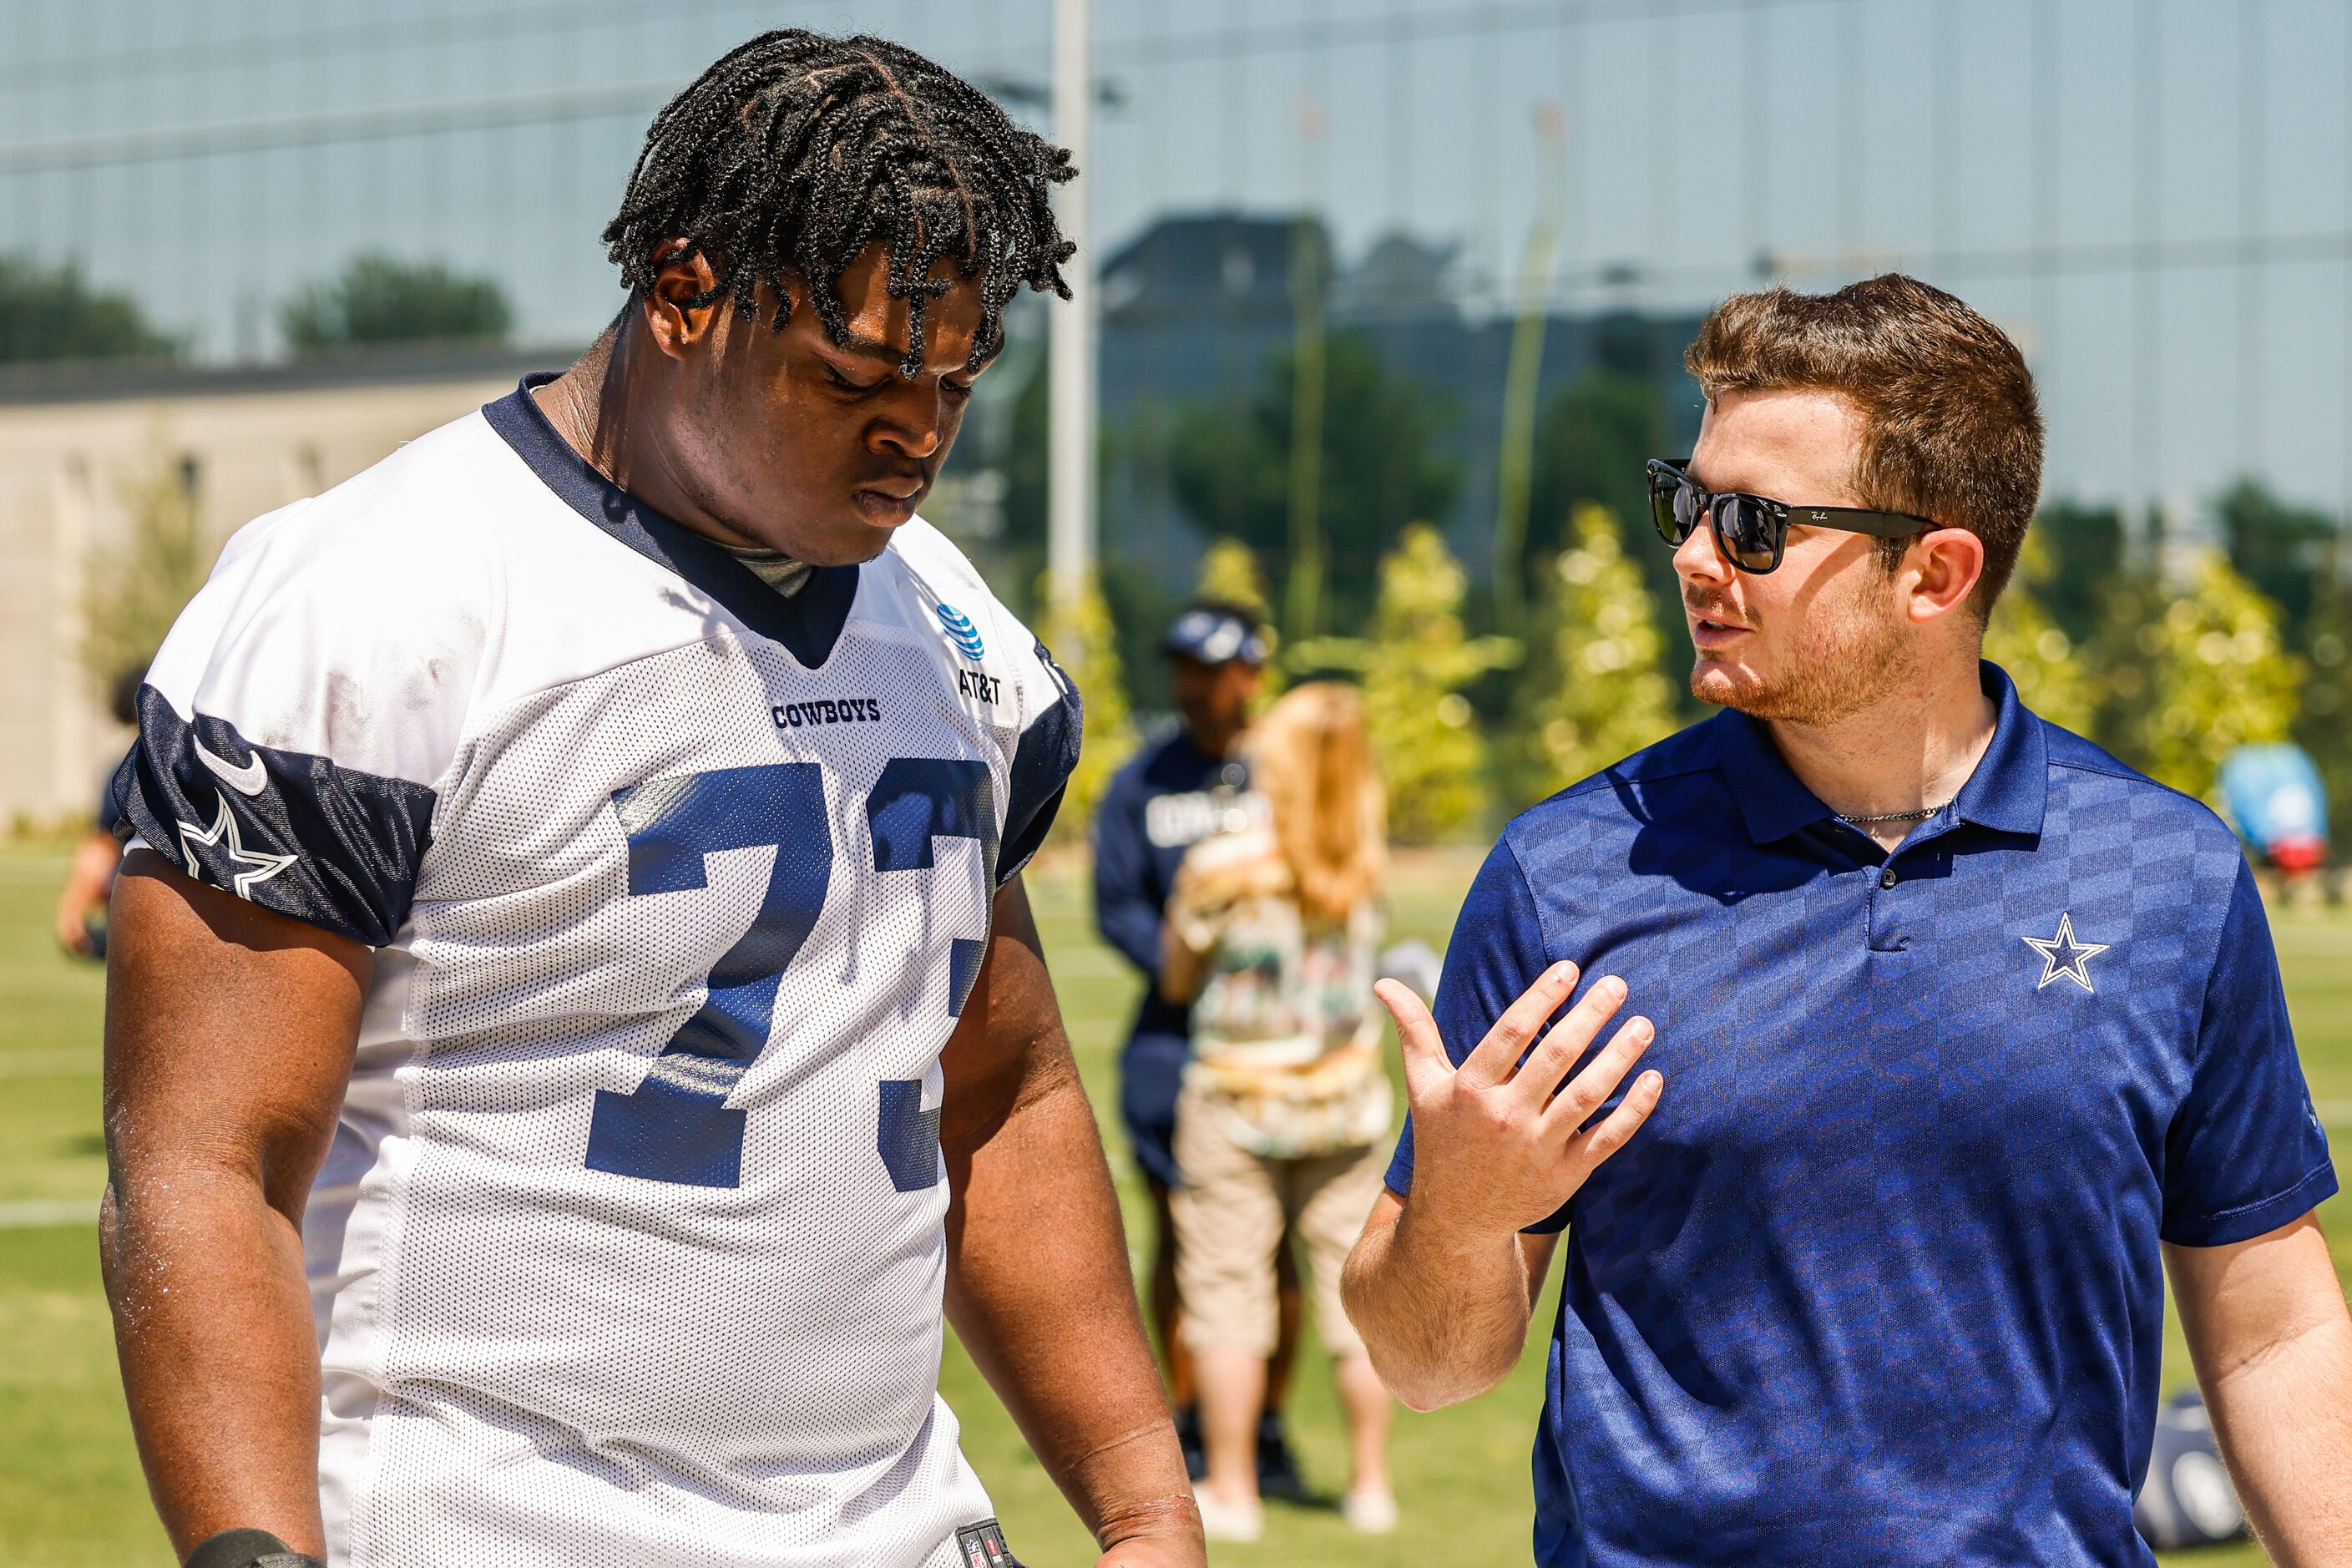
589 406
1910 750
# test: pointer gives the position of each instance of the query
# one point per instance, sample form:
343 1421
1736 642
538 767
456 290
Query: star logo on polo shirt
222 834
2062 955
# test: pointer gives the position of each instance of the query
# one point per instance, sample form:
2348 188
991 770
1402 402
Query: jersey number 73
678 1126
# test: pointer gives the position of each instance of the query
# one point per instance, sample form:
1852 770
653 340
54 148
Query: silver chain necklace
1920 816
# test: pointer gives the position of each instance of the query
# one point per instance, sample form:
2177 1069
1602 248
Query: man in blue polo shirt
1955 1034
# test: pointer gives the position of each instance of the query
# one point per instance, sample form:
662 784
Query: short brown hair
1951 429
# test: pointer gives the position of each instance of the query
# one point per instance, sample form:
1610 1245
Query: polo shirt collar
2011 784
2007 793
1773 802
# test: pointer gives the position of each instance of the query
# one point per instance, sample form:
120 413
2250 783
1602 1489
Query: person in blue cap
1170 796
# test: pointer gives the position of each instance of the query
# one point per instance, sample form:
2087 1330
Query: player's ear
1943 566
678 310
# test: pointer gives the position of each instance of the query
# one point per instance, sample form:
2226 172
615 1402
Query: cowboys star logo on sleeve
223 838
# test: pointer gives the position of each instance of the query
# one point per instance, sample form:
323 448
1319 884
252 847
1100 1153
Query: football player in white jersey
574 1024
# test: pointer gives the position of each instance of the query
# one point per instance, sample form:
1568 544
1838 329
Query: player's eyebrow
872 348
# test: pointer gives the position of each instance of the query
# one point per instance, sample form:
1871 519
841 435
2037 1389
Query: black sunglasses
1753 530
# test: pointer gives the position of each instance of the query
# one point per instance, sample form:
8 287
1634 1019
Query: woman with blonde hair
1271 936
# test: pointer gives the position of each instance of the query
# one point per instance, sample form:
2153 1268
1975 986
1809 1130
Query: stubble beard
1846 658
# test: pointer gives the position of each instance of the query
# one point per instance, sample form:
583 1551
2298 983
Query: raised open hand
1497 1141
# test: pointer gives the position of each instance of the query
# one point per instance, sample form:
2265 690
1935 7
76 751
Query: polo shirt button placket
1885 931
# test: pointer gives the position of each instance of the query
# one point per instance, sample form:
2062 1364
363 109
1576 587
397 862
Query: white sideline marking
39 1214
2333 1112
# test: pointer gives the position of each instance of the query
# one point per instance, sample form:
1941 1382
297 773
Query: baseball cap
1216 636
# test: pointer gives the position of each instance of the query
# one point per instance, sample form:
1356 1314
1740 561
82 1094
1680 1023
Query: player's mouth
1713 628
889 504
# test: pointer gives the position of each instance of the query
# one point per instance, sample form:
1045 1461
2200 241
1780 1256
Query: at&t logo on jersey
961 631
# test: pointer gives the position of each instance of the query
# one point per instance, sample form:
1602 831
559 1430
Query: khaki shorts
1230 1215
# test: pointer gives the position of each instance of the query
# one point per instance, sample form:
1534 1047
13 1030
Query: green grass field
70 1491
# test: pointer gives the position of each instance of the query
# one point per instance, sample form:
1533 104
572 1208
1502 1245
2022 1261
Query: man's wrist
1175 1517
1434 1231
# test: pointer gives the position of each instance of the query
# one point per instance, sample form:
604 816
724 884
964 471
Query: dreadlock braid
796 151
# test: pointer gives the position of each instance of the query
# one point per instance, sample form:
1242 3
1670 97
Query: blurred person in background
1170 796
89 877
1973 1034
1272 938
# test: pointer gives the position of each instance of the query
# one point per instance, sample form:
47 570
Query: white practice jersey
630 1248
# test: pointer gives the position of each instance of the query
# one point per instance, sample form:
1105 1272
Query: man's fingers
1569 1038
1499 1054
1616 1129
1588 1089
1424 1051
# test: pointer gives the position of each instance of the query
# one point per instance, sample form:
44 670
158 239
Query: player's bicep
1009 1045
229 1032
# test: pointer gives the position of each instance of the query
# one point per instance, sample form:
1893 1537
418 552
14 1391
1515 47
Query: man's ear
682 276
1943 566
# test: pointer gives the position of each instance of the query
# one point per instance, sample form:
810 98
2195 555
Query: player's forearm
1444 1316
220 1362
1039 1291
2285 1421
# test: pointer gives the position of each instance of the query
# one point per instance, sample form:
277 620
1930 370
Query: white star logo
2062 955
223 832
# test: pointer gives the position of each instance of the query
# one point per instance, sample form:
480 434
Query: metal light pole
1070 510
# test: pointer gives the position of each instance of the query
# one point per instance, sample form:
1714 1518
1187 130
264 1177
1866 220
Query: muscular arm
1037 1276
229 1033
2273 1344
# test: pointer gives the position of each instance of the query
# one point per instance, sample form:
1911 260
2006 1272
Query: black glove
248 1548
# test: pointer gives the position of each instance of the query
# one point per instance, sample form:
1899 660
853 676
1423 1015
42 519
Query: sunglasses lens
1747 534
1673 507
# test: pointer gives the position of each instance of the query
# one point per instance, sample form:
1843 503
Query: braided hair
796 151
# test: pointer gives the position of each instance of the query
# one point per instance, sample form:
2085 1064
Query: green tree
2218 677
1594 436
1084 643
2325 726
1419 660
2085 548
2026 640
1229 576
51 314
380 299
1594 688
1229 465
2282 550
138 585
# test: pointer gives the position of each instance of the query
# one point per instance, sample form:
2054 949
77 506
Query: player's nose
916 424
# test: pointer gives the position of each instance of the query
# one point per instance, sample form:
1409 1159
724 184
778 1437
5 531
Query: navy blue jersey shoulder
807 624
1043 760
331 846
1884 1265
